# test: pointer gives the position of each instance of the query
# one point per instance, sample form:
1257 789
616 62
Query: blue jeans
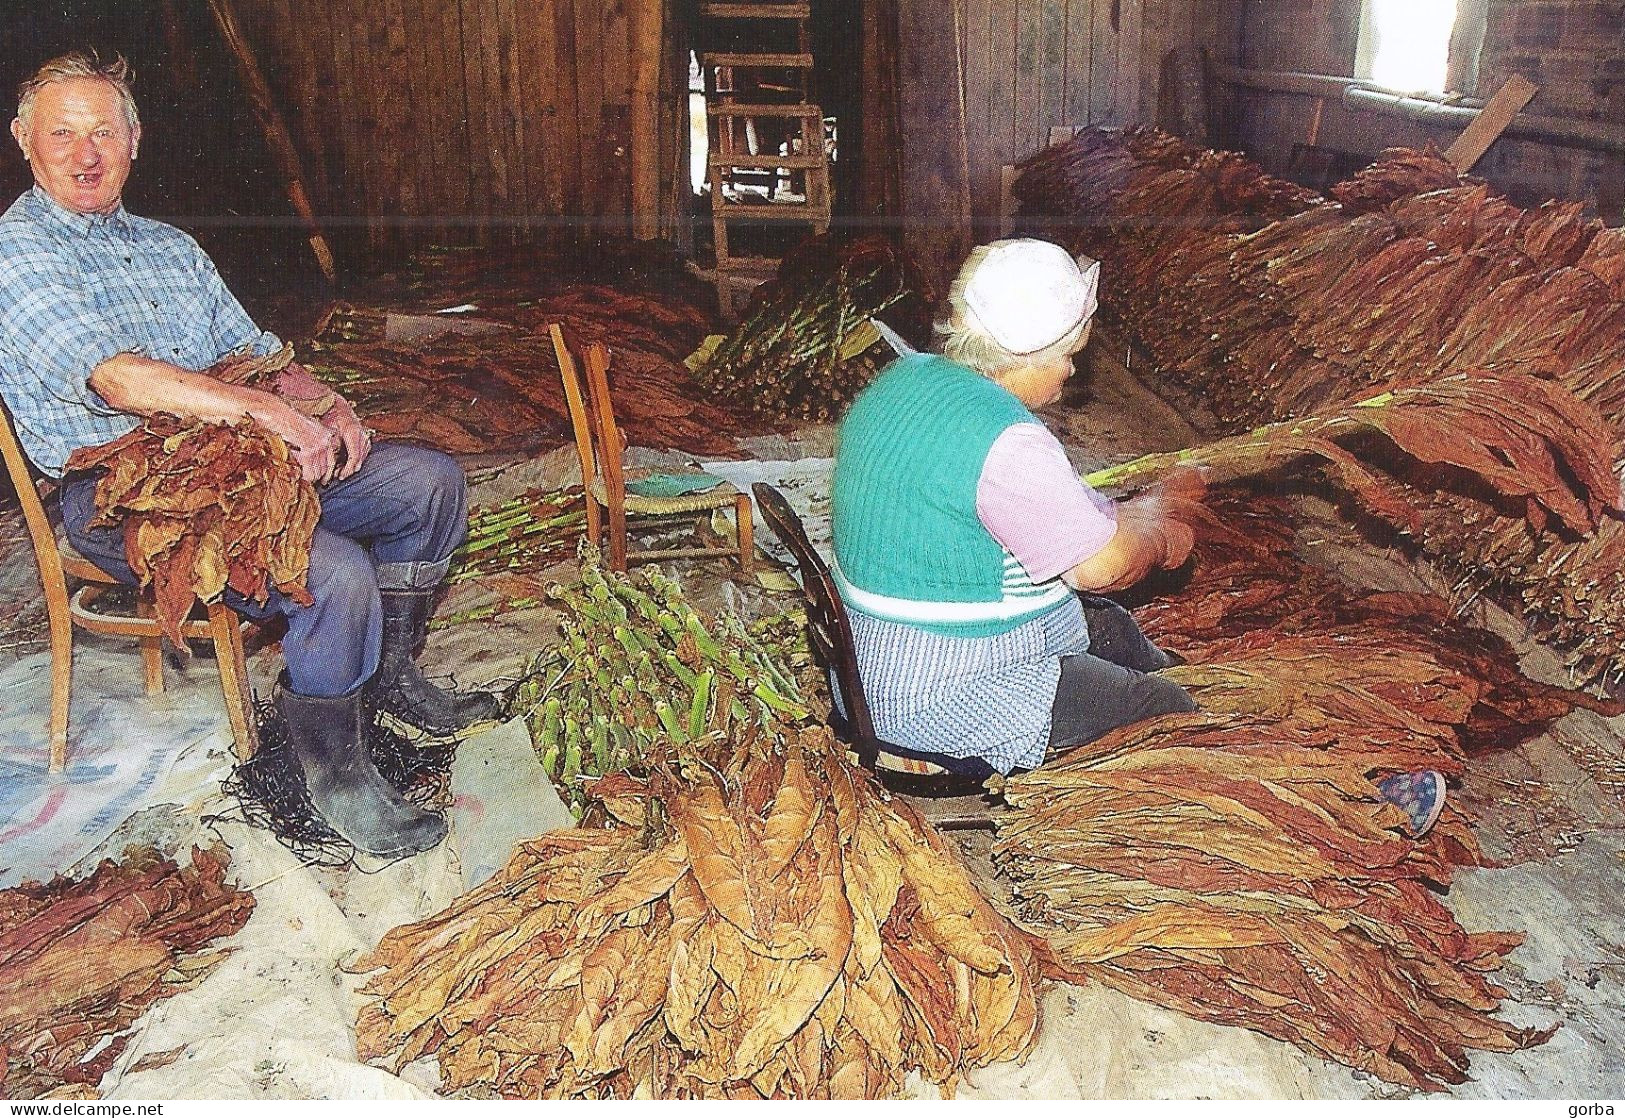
393 525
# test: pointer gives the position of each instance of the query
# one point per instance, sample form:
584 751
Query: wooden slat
742 111
455 145
772 211
1028 122
538 45
499 151
481 110
402 153
1102 63
1051 72
1002 81
356 172
1080 28
936 188
567 128
741 59
1130 63
755 11
1488 125
590 100
428 158
767 162
975 53
511 65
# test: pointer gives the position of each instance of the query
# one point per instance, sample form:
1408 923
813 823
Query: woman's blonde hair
80 64
961 339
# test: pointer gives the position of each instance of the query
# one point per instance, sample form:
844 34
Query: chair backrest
40 531
828 630
592 417
610 444
580 423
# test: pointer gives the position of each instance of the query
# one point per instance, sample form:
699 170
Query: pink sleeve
1033 502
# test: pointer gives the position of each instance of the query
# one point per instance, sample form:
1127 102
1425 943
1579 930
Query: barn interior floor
276 1021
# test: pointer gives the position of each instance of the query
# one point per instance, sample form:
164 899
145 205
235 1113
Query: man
106 317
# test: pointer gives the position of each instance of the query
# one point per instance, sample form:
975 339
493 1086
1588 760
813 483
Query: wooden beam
1477 137
276 133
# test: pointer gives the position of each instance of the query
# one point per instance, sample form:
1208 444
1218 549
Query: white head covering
1028 294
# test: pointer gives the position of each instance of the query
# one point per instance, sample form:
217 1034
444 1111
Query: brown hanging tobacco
1273 305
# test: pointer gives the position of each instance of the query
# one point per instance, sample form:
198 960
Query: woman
969 553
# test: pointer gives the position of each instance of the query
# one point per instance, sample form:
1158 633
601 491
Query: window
1421 46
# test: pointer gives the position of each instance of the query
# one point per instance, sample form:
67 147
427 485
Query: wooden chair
57 561
600 445
829 632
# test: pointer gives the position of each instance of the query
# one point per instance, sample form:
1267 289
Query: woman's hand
1154 531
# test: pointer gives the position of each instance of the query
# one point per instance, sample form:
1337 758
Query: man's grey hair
961 339
74 65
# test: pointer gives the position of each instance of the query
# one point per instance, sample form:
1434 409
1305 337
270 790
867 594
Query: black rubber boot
326 737
398 687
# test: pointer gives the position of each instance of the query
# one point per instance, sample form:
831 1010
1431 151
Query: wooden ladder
767 164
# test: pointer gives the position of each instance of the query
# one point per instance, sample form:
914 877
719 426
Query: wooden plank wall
469 121
1033 65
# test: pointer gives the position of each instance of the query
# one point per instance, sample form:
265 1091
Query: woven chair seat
722 497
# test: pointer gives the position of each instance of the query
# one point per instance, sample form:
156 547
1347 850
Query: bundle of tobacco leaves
81 960
1248 596
1240 869
205 507
498 279
1237 864
1397 173
1519 437
501 390
805 348
637 666
747 915
1272 321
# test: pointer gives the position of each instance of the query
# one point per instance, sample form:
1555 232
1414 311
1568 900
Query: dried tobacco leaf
205 507
81 960
747 915
1236 864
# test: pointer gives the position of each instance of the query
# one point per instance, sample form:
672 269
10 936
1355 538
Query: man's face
79 144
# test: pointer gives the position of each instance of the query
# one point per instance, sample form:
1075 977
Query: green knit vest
908 459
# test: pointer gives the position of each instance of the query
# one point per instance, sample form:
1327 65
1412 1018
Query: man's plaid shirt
76 289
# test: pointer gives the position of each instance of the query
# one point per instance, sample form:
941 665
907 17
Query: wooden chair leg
56 608
745 529
595 521
225 628
152 652
617 539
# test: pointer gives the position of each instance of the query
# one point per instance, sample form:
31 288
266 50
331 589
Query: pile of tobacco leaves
500 390
743 914
1271 303
81 960
805 349
1236 864
205 507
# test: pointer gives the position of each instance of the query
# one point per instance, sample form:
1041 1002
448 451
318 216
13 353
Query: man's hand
356 440
314 446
